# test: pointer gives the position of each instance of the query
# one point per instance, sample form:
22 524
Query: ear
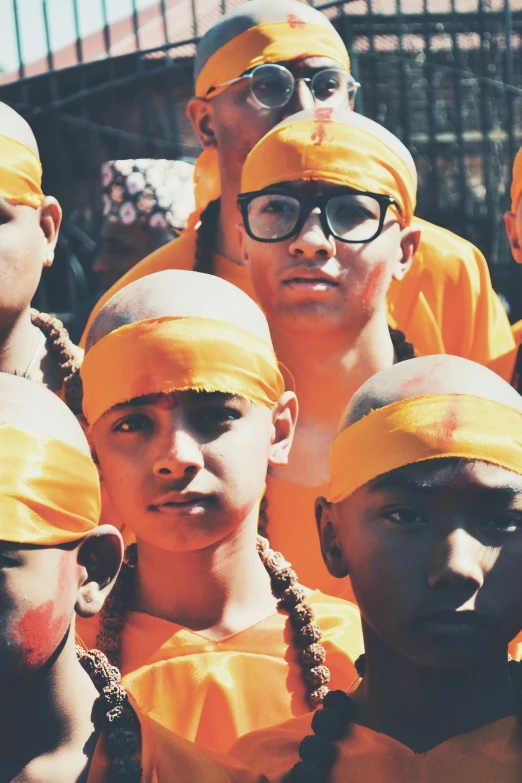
201 115
510 222
99 556
410 240
284 419
330 546
241 233
50 221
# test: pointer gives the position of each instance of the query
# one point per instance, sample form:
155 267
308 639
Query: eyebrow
151 399
505 493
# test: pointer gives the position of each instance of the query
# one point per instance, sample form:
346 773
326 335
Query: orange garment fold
490 753
516 183
505 365
271 42
212 692
423 428
353 154
49 491
177 354
20 174
166 758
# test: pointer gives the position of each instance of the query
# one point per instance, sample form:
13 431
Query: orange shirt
505 365
445 304
491 754
166 758
213 692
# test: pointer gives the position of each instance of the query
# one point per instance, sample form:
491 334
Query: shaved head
442 374
30 406
251 14
179 294
15 127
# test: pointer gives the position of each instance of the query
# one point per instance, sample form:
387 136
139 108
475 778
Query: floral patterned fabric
154 193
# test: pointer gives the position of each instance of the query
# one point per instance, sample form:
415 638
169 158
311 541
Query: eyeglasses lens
330 87
354 217
272 85
273 216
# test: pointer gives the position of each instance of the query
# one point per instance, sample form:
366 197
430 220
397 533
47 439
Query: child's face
314 281
434 551
27 238
184 469
38 591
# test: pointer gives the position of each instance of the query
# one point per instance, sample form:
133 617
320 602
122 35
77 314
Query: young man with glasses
327 202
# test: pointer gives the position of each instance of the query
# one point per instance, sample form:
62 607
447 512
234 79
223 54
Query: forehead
448 475
170 400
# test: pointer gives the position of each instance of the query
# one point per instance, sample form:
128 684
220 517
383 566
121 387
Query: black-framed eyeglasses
273 85
275 215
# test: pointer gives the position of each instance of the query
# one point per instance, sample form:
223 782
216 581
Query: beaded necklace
290 598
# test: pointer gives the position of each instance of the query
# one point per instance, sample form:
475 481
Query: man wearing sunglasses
323 236
267 60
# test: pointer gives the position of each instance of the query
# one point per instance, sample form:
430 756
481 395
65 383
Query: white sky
61 23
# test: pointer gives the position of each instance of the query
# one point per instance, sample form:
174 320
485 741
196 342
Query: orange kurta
445 304
166 758
213 692
505 365
491 753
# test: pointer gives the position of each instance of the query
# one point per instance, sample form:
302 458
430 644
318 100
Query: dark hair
67 355
206 237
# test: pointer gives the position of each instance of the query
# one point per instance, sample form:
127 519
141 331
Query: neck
338 362
422 707
216 591
18 341
227 240
49 710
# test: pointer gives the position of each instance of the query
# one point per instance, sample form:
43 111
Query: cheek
374 282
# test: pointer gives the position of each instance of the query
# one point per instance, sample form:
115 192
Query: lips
451 621
180 502
306 276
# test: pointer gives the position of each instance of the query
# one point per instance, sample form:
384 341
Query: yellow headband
20 174
516 184
49 491
422 428
272 42
329 151
178 354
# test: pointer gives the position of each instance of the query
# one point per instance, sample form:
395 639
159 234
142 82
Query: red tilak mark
36 633
295 23
319 135
419 377
323 113
448 425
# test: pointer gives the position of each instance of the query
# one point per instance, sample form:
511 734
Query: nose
301 99
456 560
311 242
179 456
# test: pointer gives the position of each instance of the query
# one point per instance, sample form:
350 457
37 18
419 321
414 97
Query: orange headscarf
336 146
49 491
516 184
423 428
178 354
20 174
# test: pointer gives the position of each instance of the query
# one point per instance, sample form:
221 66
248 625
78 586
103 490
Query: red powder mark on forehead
448 425
418 378
295 22
323 113
319 135
36 634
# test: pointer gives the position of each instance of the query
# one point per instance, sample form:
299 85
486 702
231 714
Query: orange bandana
49 491
20 174
422 428
324 149
178 354
516 184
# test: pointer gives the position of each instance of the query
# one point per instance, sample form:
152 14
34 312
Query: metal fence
444 75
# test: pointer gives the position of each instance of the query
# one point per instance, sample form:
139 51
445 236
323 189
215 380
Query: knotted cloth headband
322 149
178 354
516 184
20 174
49 491
422 428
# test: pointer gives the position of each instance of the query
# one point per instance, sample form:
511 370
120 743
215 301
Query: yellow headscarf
178 354
336 146
49 491
423 428
20 174
516 184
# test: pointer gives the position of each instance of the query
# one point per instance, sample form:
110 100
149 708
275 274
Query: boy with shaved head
32 344
63 716
186 408
426 485
261 63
